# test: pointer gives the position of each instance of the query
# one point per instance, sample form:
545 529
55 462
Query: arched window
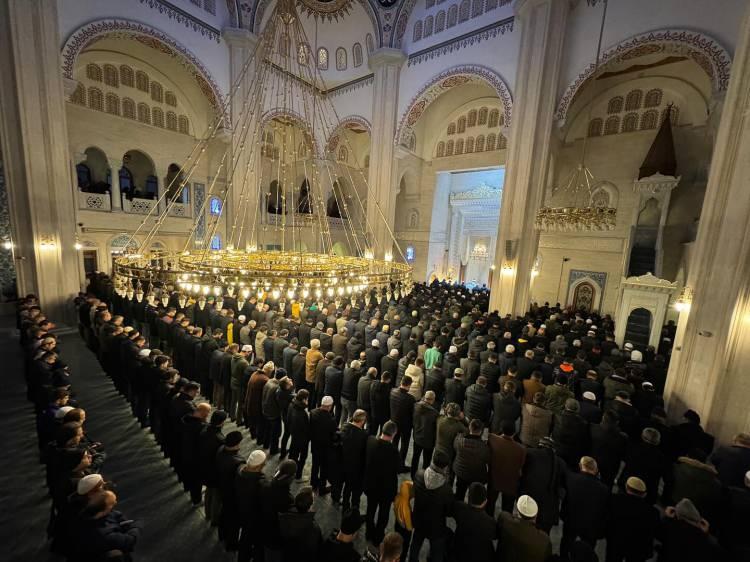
417 30
491 142
79 95
633 100
216 242
170 98
128 108
183 125
490 5
110 76
323 58
340 58
482 119
452 16
653 98
630 123
595 127
94 72
157 92
648 119
214 206
463 11
493 118
449 148
615 105
460 146
480 143
113 104
274 204
171 120
477 8
343 154
141 81
413 218
428 23
157 117
370 44
83 174
357 54
612 125
502 142
461 125
126 75
440 152
440 21
469 145
452 129
472 120
144 113
96 99
303 54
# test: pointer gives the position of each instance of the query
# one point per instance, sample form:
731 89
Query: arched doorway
93 173
138 176
638 328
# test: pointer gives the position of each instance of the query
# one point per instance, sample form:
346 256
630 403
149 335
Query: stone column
114 190
381 208
33 133
708 370
541 24
242 44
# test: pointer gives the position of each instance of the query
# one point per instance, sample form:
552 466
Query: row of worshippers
565 379
84 524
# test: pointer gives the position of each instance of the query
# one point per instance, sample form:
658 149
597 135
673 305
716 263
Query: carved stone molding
649 283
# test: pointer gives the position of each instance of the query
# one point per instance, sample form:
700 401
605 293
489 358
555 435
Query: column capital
386 57
115 163
238 38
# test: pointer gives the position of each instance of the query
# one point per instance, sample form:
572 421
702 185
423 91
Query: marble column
33 133
242 45
541 24
708 370
114 189
386 65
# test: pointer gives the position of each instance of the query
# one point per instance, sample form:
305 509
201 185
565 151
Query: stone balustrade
94 201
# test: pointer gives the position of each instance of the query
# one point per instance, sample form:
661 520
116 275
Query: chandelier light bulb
275 294
290 294
78 246
305 293
329 291
8 245
205 289
245 293
217 291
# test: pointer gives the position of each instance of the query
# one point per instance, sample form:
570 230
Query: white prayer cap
393 352
242 318
247 348
375 343
589 321
588 395
628 346
60 414
636 356
144 352
256 458
327 401
88 483
527 507
453 349
510 349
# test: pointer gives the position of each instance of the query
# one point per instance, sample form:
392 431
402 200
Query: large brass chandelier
581 214
284 239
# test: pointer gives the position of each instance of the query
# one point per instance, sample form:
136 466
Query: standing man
584 509
381 480
354 450
322 430
240 363
506 462
425 432
402 414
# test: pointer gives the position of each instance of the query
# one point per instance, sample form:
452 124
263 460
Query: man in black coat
209 442
298 421
433 504
542 478
180 406
570 433
390 362
300 534
354 445
247 484
363 392
478 401
475 530
352 374
275 499
322 430
374 356
608 446
381 480
644 460
193 424
733 462
402 414
455 389
380 403
584 509
631 524
228 460
425 431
